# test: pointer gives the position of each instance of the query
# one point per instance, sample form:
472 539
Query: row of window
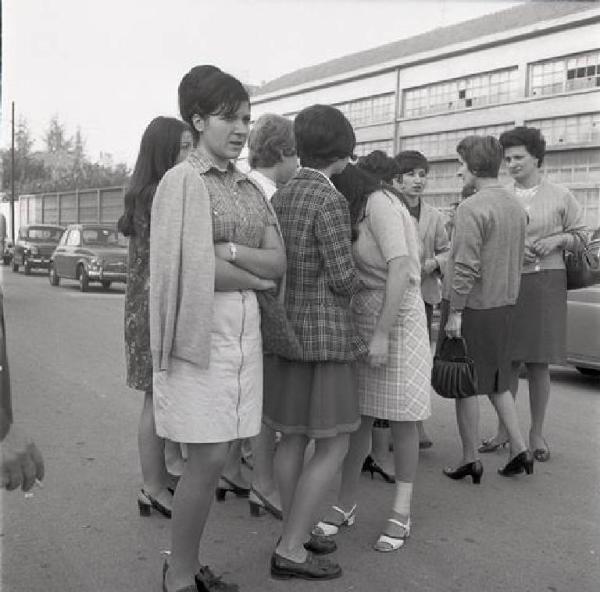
378 109
364 148
564 74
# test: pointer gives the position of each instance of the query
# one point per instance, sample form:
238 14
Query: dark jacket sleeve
6 415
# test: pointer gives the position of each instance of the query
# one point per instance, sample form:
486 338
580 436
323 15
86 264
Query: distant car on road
90 253
35 245
583 322
7 253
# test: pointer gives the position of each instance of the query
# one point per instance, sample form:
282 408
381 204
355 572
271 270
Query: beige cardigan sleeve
182 269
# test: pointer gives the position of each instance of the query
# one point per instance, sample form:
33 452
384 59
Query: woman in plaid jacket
315 396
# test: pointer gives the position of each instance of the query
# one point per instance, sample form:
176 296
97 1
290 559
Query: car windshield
44 234
103 237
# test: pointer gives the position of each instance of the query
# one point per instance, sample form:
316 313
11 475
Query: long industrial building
534 64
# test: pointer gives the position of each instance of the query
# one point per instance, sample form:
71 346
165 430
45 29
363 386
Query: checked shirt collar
204 163
308 173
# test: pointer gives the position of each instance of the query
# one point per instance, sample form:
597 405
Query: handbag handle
453 347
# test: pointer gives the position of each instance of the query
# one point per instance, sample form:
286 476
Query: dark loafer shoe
320 545
314 568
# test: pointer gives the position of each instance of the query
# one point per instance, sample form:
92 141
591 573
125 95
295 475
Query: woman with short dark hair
314 396
481 285
165 142
213 243
539 336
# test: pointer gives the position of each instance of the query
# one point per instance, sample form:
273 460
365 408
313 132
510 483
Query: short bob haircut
529 137
323 135
379 165
271 138
411 160
482 155
206 90
355 185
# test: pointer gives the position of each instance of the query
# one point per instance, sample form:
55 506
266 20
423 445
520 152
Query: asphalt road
82 532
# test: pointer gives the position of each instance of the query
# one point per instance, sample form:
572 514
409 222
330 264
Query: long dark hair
355 185
159 149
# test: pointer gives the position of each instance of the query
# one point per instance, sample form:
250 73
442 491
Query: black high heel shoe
474 469
372 467
259 505
146 502
226 485
522 462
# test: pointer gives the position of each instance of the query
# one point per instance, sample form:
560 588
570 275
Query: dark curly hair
206 90
529 137
379 165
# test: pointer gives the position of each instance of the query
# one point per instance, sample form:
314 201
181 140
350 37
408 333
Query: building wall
387 108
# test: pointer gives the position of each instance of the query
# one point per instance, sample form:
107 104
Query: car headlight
34 250
96 262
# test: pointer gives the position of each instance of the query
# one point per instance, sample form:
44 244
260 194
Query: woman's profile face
223 137
519 162
185 146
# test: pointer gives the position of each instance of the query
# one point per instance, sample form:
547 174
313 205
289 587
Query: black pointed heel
226 485
372 467
472 469
145 508
146 503
522 462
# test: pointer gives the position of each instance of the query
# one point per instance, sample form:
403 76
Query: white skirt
224 402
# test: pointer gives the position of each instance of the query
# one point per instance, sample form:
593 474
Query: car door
58 257
72 253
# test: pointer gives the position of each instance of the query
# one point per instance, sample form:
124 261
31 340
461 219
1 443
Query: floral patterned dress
137 328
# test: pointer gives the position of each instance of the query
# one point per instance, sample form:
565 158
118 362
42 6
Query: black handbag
453 375
278 335
583 266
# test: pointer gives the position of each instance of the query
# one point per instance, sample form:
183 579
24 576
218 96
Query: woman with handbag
555 225
394 380
481 285
213 244
313 395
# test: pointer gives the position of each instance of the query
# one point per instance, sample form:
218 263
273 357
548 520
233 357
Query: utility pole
12 177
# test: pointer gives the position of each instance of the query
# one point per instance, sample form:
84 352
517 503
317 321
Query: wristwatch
233 251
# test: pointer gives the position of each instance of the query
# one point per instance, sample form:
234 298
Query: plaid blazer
321 277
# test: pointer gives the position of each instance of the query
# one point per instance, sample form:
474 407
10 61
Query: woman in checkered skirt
394 380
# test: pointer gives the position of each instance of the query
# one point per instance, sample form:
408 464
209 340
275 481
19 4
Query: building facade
536 64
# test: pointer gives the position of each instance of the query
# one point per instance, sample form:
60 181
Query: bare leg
191 505
152 455
312 487
502 433
406 449
507 412
424 439
539 395
289 460
467 416
357 450
380 448
233 467
263 478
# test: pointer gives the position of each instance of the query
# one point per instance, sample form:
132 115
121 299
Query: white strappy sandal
386 543
324 528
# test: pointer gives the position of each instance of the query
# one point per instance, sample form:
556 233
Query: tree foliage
62 166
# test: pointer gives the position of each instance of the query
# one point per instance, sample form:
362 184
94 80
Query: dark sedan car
35 245
90 253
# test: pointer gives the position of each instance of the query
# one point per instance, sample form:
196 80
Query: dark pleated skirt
488 335
316 399
540 322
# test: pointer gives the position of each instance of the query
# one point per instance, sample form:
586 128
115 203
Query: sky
111 66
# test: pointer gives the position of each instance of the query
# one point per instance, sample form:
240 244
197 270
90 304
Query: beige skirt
223 402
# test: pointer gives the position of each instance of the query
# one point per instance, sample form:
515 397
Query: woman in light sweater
555 220
213 243
481 285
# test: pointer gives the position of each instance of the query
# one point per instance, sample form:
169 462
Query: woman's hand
544 246
454 324
430 266
379 349
529 256
264 284
222 251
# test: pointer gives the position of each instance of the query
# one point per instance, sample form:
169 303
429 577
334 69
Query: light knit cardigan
182 269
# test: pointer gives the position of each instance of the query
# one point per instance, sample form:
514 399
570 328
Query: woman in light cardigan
213 243
539 336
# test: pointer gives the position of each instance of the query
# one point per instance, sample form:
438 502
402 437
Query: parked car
583 322
7 253
35 245
89 253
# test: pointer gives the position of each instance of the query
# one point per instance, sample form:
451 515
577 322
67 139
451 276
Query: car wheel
53 277
15 267
588 371
106 284
27 268
84 280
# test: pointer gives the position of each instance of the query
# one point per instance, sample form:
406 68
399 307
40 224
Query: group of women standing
340 252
